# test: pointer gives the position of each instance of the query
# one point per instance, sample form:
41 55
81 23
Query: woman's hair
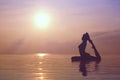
85 36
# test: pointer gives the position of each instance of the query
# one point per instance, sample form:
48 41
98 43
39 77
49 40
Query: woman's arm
95 50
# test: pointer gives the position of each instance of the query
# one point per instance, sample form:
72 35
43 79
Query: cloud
15 46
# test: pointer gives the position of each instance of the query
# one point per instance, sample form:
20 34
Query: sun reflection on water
41 76
40 68
42 54
40 62
41 57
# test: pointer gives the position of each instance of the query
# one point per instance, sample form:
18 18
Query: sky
70 19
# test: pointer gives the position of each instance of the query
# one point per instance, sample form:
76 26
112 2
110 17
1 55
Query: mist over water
56 67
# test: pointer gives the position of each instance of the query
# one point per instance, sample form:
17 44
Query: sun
42 20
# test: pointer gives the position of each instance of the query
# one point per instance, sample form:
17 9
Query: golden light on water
40 62
42 54
40 69
41 76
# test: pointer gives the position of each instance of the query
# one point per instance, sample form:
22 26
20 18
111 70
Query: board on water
75 58
90 58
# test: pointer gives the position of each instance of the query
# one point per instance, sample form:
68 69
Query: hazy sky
69 20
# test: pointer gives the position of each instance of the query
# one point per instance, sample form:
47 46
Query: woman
82 47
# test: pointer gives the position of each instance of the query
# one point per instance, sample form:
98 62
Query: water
56 67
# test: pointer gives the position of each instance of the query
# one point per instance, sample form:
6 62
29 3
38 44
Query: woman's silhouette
85 58
83 53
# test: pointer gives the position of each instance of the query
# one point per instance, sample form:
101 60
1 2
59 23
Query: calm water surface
56 67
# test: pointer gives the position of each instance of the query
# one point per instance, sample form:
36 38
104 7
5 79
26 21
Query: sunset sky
69 19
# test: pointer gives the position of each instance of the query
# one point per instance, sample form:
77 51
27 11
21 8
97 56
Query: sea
46 66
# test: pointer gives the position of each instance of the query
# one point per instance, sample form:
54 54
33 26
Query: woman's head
85 37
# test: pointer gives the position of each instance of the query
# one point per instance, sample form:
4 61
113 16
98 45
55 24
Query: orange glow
41 54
